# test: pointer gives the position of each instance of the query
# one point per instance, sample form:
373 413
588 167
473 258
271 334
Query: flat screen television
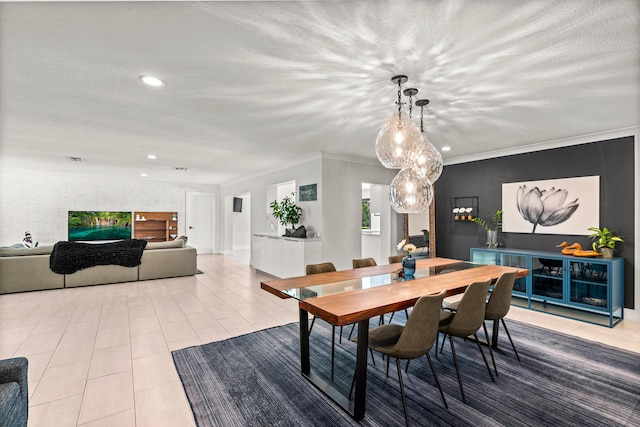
94 225
237 204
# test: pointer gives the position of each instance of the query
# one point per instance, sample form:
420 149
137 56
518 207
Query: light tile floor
101 355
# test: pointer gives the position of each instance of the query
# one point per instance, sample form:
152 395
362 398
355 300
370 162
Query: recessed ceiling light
143 174
151 81
445 148
151 156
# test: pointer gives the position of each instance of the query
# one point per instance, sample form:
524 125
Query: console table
587 289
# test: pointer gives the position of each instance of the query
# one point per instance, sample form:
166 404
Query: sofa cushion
38 250
178 243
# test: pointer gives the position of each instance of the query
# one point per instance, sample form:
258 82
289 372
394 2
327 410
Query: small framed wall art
308 193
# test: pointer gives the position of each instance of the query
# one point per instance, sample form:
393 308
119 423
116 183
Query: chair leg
484 357
388 358
353 327
404 400
486 334
312 322
435 377
510 340
455 361
333 348
444 338
406 368
340 340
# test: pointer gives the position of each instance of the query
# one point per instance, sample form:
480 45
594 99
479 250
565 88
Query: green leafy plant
286 211
497 221
366 215
603 238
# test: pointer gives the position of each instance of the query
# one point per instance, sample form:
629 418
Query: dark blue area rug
255 380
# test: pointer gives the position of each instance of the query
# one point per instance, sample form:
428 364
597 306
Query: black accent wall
612 160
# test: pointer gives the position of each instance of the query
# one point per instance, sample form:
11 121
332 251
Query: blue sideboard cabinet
588 289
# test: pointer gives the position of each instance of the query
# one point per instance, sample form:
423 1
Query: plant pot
606 252
492 238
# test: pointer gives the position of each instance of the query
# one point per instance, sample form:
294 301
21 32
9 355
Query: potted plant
492 234
286 212
604 241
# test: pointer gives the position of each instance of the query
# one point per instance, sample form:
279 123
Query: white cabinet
273 256
292 258
257 251
283 257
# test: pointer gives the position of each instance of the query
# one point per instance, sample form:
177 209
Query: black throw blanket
69 257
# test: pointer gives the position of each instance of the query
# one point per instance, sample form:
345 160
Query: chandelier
397 142
410 192
428 160
401 145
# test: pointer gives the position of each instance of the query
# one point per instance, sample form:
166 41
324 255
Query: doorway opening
378 235
237 240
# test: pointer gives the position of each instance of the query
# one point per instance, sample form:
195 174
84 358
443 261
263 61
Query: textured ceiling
252 85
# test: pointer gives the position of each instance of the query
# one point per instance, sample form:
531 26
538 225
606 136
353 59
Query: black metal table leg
305 365
494 334
357 408
361 369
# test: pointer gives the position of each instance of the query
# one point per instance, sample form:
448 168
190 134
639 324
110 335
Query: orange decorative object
578 251
567 250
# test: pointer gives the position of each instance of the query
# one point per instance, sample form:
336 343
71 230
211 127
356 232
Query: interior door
199 221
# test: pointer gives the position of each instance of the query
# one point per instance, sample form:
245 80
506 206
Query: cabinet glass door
483 257
547 279
518 261
588 284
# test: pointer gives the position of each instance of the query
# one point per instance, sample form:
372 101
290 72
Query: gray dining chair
361 263
324 267
498 306
411 341
364 262
395 259
466 321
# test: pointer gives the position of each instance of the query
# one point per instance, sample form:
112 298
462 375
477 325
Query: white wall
342 207
418 222
336 215
263 191
242 225
40 203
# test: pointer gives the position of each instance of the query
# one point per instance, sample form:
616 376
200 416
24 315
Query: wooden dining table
354 296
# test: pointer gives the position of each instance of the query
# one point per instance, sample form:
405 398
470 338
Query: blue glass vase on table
408 262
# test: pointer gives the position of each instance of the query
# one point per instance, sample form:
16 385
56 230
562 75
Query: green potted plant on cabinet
492 234
604 241
286 212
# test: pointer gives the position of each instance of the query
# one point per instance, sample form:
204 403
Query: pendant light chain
410 106
399 101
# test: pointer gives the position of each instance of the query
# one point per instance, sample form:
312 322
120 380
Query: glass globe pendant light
410 192
428 160
398 140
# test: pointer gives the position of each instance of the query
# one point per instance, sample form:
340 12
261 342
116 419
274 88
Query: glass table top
302 293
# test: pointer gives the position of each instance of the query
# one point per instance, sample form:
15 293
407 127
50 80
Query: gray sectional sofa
27 269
